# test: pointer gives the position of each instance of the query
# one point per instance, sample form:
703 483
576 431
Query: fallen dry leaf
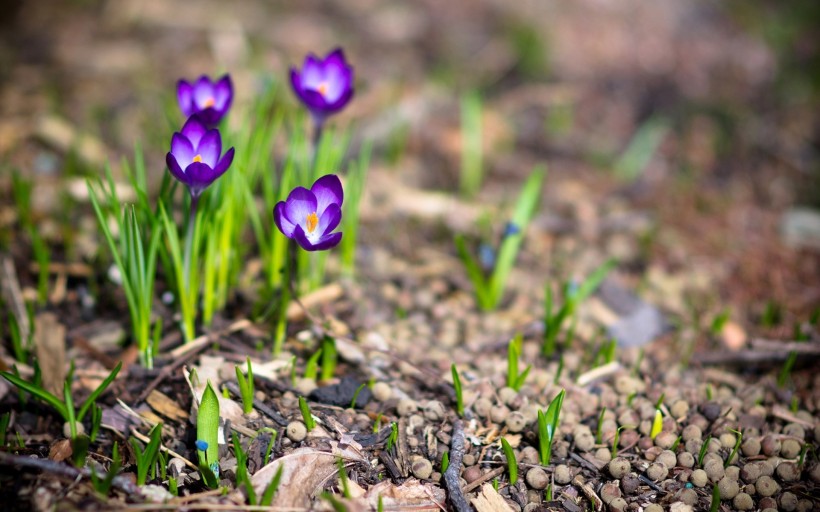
490 501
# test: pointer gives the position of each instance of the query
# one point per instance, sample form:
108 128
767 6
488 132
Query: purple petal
223 94
200 175
300 203
193 130
210 147
313 72
330 219
281 221
340 103
185 94
336 58
176 170
301 238
224 163
314 100
203 91
328 190
182 149
327 242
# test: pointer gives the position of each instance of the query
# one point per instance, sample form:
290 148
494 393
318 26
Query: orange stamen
197 158
312 222
209 102
322 88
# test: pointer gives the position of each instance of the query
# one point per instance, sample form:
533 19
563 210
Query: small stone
743 502
296 431
666 439
750 447
482 407
732 472
805 505
653 507
728 488
584 442
699 478
691 432
728 440
529 455
499 413
766 468
305 386
618 467
382 391
794 430
688 496
603 454
516 422
710 411
67 429
630 483
422 468
667 458
609 492
680 409
657 471
537 478
618 505
788 471
767 503
406 407
766 486
714 470
507 395
680 506
434 411
788 501
790 448
686 460
471 474
562 474
468 459
770 446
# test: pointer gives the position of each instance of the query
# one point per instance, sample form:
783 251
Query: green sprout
715 505
329 357
5 419
273 486
136 261
548 427
457 387
207 437
147 458
312 365
703 449
512 464
394 435
245 386
598 432
356 395
65 406
445 461
734 449
514 379
103 484
573 295
21 191
657 424
472 172
489 289
646 141
185 268
307 417
340 463
617 439
354 189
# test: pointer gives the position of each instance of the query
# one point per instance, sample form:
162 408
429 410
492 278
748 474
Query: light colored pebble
618 505
788 501
790 448
516 422
699 478
788 471
499 413
434 411
750 447
686 460
618 467
382 391
603 454
296 431
714 470
688 496
743 502
406 407
657 471
667 458
728 488
609 492
537 478
422 468
562 474
766 486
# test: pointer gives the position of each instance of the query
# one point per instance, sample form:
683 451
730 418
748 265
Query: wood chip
490 501
49 342
163 405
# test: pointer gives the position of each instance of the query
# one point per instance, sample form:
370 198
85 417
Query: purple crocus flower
325 86
195 154
310 216
209 100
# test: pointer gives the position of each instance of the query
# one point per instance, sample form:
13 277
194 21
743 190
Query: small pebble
686 460
482 407
529 455
805 505
691 432
630 483
603 454
710 411
728 440
766 468
657 471
609 492
516 422
305 386
471 474
794 430
507 395
406 407
788 501
679 409
468 459
67 429
382 391
766 486
699 478
296 431
770 446
537 478
790 448
562 474
667 458
788 471
688 496
434 411
728 488
499 413
732 472
767 502
750 447
653 507
618 467
666 439
618 505
743 502
422 468
714 470
680 506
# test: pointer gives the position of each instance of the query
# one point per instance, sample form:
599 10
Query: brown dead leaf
49 342
305 471
60 451
163 405
490 501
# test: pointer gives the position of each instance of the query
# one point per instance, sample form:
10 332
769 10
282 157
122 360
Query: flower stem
189 241
284 300
318 128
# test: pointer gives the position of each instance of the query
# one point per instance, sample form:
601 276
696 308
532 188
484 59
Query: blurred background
695 121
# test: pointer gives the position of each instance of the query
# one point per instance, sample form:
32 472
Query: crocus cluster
324 86
310 216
